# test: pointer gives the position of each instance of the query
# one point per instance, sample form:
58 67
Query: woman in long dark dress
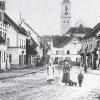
66 73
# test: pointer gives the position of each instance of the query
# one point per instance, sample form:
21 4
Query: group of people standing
66 74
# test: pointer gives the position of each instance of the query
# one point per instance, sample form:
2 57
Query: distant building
63 47
35 39
65 16
68 48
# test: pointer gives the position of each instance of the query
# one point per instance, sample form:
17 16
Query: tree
30 48
45 47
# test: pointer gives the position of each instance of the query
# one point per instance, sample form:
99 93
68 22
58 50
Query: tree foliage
30 48
45 47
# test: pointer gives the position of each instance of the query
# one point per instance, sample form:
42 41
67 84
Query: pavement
21 72
35 87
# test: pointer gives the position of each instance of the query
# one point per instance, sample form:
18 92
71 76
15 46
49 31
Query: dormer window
75 41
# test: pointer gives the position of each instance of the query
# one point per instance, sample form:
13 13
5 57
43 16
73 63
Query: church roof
79 30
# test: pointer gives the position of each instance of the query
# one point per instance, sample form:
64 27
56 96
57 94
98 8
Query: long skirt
66 77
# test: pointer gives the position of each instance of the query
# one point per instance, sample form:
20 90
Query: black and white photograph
49 49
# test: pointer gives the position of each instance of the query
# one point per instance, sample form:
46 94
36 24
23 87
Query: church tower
65 16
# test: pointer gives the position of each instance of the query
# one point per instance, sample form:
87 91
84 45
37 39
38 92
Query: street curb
23 74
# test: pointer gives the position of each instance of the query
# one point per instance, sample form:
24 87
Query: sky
44 15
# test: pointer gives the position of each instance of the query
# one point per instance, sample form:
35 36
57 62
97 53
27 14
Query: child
50 73
80 78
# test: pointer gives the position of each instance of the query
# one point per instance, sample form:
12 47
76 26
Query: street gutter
15 76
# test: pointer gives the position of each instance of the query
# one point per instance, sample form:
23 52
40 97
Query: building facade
3 37
63 47
16 44
90 51
70 48
35 39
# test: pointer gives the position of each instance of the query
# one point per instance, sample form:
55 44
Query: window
56 52
76 59
24 59
20 42
24 43
97 43
4 57
10 58
8 42
91 46
75 41
5 37
66 13
68 52
0 33
20 59
0 16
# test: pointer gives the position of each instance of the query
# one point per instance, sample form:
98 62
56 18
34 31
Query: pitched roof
79 30
65 42
68 40
18 28
58 41
93 32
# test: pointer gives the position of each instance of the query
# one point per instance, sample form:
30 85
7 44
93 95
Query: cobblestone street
34 87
